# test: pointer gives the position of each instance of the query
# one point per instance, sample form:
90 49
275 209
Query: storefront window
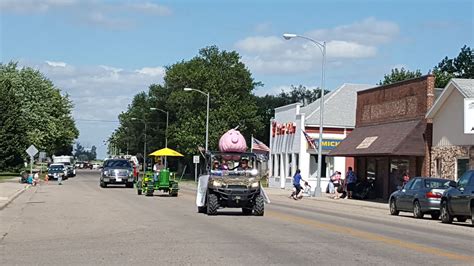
329 166
278 165
297 161
371 164
290 168
398 167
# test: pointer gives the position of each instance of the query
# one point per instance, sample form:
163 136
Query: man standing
351 180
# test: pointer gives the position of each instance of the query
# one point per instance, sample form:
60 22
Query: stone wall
447 156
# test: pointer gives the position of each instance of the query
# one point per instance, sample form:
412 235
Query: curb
18 193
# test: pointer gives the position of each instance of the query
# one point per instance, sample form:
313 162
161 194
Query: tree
12 131
85 155
219 73
399 75
460 67
44 115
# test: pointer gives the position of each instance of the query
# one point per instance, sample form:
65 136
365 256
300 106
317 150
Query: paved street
81 223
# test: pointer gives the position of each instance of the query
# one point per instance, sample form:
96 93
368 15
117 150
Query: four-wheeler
232 182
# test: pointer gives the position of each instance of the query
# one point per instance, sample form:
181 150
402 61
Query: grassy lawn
7 175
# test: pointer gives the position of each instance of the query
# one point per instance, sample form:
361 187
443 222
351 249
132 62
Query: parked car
57 168
421 195
458 201
117 171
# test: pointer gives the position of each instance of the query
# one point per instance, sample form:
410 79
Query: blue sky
104 52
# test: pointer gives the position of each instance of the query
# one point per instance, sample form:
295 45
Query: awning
399 138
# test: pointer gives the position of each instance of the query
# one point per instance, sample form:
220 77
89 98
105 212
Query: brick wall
447 156
401 101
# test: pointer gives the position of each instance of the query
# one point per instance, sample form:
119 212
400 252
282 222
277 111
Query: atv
232 182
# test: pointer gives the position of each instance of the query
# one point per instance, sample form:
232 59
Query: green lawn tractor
165 182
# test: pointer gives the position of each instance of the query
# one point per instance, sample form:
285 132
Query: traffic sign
196 159
32 150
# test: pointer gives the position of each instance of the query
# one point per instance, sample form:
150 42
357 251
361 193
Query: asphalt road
81 223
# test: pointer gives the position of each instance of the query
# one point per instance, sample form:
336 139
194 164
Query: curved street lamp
322 47
207 115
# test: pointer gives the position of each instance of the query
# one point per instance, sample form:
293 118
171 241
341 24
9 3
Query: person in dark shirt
297 184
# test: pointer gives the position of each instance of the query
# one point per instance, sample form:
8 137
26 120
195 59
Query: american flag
310 140
258 145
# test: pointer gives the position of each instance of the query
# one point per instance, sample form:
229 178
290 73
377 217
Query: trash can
164 177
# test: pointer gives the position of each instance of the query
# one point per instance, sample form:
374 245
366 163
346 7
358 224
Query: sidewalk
10 190
285 193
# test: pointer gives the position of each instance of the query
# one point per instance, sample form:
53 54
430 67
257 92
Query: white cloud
274 55
107 14
34 6
152 71
98 93
151 8
56 64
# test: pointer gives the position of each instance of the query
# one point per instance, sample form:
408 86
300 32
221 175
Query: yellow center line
368 236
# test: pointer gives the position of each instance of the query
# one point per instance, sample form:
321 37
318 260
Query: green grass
7 175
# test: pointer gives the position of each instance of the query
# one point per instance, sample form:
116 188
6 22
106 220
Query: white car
96 166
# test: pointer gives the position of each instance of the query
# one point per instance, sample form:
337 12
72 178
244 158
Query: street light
322 47
166 130
207 116
144 143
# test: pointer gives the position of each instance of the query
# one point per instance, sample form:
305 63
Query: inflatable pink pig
232 141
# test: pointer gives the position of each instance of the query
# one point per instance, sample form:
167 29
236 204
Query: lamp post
207 115
166 130
322 48
144 143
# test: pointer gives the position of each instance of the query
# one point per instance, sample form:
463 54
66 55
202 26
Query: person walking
297 184
351 180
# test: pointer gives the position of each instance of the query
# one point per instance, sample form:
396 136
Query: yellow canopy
166 152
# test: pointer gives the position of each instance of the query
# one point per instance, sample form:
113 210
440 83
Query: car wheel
246 211
102 185
417 210
259 207
149 191
435 216
445 216
393 207
212 204
461 219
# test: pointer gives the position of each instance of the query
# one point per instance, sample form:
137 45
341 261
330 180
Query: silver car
117 171
421 195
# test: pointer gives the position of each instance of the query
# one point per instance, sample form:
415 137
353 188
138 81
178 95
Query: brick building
392 135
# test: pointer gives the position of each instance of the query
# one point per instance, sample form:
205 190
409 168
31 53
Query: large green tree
44 113
461 66
13 140
219 73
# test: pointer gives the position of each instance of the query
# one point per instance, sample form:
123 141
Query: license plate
237 197
118 179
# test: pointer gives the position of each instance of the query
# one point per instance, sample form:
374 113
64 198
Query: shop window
398 167
278 165
462 166
297 160
371 167
290 168
329 165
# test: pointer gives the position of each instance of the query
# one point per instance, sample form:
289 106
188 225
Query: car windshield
117 163
436 183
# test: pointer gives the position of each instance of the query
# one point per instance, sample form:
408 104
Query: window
297 160
438 167
371 164
408 185
443 184
462 166
418 184
464 180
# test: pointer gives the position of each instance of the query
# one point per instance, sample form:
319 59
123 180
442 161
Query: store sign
329 144
366 142
282 129
469 116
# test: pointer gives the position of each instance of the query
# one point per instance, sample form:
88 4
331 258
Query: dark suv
458 201
117 171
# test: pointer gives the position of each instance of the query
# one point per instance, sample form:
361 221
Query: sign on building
469 116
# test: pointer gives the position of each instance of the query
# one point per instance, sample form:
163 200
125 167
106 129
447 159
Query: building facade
453 130
392 136
290 149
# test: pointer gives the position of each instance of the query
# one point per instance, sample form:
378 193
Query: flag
310 140
258 145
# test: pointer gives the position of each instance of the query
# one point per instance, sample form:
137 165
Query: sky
102 53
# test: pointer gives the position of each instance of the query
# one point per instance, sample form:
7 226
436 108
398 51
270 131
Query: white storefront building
289 147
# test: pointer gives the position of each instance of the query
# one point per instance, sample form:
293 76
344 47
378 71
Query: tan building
452 116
